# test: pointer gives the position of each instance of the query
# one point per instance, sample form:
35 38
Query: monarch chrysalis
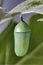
21 37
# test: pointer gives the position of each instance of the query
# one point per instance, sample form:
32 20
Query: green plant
35 52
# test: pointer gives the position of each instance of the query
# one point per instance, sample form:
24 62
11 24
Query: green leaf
36 29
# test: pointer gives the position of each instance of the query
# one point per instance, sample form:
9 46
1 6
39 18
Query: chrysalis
21 37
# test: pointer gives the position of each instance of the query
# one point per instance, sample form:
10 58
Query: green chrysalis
21 37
